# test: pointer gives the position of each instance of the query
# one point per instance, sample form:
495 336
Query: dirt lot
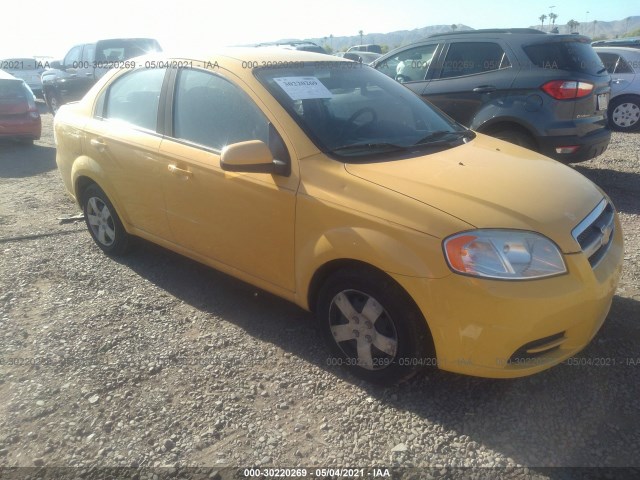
156 361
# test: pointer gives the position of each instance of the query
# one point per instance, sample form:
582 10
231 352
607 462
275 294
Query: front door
242 220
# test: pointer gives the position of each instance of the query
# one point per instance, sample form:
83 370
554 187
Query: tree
542 18
594 27
572 24
552 19
454 27
361 34
331 37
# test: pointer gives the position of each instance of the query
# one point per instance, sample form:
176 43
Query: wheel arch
83 177
490 128
325 271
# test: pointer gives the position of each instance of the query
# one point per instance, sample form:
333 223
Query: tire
53 102
517 137
386 340
624 114
103 222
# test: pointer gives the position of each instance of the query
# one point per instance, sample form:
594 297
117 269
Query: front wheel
53 102
373 327
624 114
103 222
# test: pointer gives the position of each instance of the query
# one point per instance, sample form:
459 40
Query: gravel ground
156 361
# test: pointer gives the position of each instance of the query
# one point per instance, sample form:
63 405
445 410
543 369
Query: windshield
349 109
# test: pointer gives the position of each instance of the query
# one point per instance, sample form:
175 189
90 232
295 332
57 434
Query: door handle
179 171
98 144
617 80
484 89
89 74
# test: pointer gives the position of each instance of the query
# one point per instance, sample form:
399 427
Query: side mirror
253 156
57 64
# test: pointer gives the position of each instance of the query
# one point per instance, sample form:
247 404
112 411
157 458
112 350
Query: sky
39 28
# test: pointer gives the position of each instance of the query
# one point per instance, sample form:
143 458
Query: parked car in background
366 48
631 42
27 69
83 65
304 46
362 57
19 116
623 63
548 93
416 241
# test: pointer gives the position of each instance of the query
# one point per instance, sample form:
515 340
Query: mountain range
594 29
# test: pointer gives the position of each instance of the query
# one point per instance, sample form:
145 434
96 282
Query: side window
614 63
622 66
409 65
211 111
134 97
87 55
467 58
73 57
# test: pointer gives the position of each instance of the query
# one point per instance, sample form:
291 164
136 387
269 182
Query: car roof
492 31
620 50
263 54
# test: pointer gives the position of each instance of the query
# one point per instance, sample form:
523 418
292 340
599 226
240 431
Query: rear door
469 76
122 138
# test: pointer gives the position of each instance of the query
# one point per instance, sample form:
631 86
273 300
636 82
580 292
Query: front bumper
484 327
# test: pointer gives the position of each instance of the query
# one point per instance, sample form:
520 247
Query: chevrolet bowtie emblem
606 234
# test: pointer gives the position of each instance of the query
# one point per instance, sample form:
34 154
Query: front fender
405 252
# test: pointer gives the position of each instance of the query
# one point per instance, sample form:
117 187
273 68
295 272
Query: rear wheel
103 222
624 114
373 327
515 136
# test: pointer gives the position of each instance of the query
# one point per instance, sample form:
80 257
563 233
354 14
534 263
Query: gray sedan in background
623 63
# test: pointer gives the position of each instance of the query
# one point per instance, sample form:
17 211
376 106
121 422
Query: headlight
504 254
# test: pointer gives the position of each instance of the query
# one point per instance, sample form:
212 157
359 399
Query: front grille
595 232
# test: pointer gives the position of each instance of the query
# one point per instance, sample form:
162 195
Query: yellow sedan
417 242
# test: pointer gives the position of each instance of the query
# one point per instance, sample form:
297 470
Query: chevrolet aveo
416 241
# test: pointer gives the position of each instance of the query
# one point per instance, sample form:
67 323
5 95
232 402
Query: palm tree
454 27
572 24
361 34
552 18
542 18
594 27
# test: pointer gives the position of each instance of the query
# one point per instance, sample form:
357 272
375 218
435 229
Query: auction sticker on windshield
303 88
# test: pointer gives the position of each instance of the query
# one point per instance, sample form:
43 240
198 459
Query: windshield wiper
370 146
435 137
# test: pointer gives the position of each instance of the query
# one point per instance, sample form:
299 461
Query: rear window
11 89
572 56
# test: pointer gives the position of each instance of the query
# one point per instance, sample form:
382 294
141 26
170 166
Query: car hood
492 184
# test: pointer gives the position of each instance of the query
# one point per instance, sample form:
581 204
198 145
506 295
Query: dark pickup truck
69 79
